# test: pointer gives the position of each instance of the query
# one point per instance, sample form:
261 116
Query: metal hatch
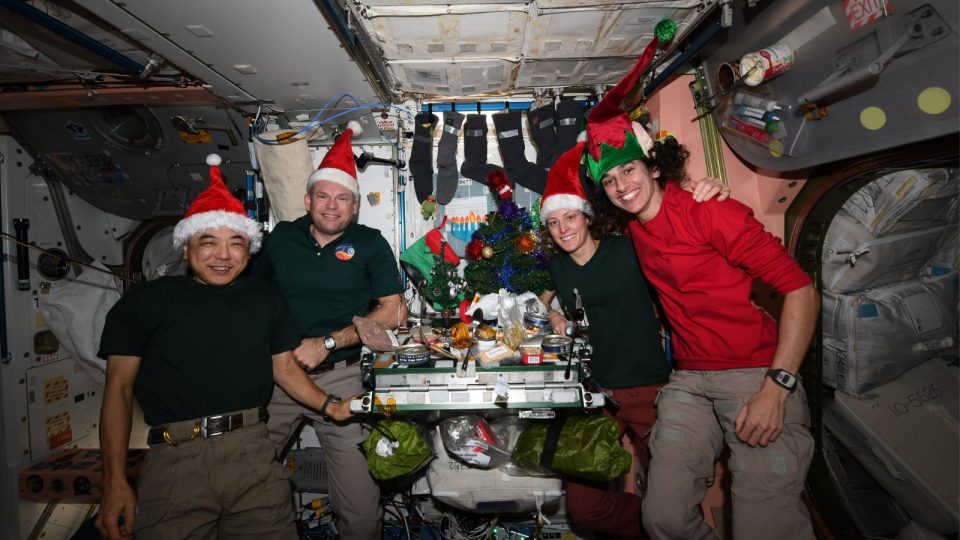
927 60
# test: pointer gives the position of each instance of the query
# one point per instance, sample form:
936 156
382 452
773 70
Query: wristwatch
783 378
329 343
330 399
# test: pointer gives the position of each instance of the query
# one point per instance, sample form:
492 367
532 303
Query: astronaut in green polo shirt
330 270
201 353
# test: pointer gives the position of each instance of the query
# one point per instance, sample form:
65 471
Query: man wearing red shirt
737 380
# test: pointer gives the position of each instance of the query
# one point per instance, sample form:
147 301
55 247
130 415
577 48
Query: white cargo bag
905 434
286 169
872 337
906 201
853 259
487 490
915 531
947 257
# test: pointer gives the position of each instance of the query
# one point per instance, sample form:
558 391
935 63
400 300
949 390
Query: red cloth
590 503
702 258
217 196
434 239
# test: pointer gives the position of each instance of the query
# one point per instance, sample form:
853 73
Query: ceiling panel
465 77
298 61
557 73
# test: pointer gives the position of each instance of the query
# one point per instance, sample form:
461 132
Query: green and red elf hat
611 138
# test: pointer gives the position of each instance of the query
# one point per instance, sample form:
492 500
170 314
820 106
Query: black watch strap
330 399
783 378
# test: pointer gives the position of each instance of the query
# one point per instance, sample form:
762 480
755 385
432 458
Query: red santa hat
564 190
217 208
338 165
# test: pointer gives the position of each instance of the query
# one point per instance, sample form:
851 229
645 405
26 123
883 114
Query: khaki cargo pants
226 487
696 414
353 493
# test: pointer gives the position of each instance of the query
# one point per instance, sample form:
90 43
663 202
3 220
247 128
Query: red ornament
498 183
474 250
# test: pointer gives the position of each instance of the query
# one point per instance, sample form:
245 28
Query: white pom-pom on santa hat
354 126
582 137
213 160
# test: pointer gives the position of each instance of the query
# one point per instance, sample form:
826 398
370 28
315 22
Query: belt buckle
204 422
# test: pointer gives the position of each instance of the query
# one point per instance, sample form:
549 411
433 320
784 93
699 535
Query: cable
69 260
310 125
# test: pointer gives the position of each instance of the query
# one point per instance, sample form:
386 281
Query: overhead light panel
246 69
199 31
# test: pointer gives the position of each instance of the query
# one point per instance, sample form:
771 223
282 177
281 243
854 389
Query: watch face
329 343
786 379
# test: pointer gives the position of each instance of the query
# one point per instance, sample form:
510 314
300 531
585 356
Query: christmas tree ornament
487 252
429 207
474 250
446 283
612 139
535 211
498 183
525 242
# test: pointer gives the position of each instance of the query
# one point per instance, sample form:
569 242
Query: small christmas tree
503 252
446 288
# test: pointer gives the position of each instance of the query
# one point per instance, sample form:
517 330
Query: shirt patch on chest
345 252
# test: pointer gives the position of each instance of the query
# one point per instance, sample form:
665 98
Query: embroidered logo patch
345 252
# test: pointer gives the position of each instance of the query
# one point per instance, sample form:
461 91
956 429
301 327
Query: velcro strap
551 442
452 130
473 133
509 133
546 122
421 138
569 121
933 345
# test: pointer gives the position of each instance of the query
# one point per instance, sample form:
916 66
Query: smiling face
331 207
632 187
570 229
217 256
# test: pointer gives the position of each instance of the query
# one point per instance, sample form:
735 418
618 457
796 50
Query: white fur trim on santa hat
563 202
582 137
354 126
336 176
218 219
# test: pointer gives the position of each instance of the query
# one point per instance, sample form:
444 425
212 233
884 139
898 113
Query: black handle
23 263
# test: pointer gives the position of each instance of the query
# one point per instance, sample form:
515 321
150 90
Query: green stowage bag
586 446
386 459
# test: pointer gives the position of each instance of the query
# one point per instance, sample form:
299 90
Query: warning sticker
58 430
202 136
863 12
55 389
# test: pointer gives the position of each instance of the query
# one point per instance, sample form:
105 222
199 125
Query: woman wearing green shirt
628 357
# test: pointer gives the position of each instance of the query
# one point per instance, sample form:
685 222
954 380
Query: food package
584 446
388 459
472 440
510 320
375 334
495 354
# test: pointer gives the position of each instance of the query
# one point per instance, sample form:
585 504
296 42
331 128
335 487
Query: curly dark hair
600 225
669 157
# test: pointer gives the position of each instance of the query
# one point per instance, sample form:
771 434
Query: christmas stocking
447 174
543 134
570 117
475 166
510 139
421 157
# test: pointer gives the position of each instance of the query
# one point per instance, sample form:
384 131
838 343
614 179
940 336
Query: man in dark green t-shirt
330 270
201 353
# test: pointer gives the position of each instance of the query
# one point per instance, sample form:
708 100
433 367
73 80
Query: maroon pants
591 504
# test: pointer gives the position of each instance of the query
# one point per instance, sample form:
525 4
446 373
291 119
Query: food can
772 61
531 355
728 74
536 323
555 344
485 344
412 355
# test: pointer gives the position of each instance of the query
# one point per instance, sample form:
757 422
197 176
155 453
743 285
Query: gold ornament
525 243
487 252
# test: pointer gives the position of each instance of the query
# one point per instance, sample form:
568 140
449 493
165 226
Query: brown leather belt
210 426
323 368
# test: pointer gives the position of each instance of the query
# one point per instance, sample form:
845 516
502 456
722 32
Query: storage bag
915 531
905 435
286 169
905 201
947 257
487 490
872 337
853 259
